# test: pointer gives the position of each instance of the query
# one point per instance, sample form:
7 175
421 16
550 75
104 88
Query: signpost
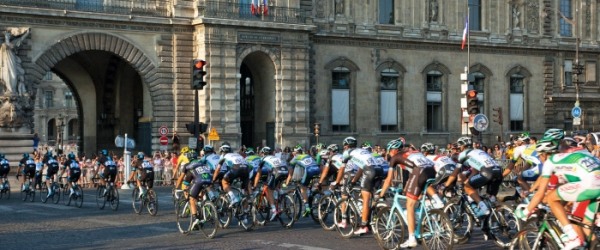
163 130
480 122
213 135
164 141
576 113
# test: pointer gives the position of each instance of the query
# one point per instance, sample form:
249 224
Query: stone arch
271 52
394 65
479 67
444 96
435 65
523 71
342 62
391 64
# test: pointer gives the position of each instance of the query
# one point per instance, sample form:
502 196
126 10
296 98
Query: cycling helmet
350 141
71 156
192 155
250 151
298 149
140 155
464 141
523 137
104 152
266 150
428 147
185 150
333 148
554 133
547 145
570 141
395 144
25 155
1 156
320 146
208 149
225 148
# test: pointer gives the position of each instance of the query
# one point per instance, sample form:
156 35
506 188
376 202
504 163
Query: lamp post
317 130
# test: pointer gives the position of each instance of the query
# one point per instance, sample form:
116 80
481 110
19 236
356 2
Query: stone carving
339 7
433 10
16 103
320 8
516 16
12 73
533 13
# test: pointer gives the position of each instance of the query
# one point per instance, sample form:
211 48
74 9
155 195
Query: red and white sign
164 140
163 130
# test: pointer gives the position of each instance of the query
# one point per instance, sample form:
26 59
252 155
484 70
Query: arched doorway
257 100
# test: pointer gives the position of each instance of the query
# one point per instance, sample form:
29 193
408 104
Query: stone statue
339 7
433 9
516 16
11 71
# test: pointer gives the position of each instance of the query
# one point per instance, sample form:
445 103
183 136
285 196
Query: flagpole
468 41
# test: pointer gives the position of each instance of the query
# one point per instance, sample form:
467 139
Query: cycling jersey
518 151
146 173
74 170
4 167
212 160
380 161
337 161
305 168
530 156
476 159
443 165
237 168
277 172
420 167
253 162
322 157
29 169
360 158
489 174
110 169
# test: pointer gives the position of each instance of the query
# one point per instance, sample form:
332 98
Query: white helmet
464 141
428 147
547 145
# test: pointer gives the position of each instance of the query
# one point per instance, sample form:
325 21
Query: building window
565 27
48 76
48 99
517 105
389 100
68 99
340 96
474 14
590 73
51 129
568 73
434 100
386 11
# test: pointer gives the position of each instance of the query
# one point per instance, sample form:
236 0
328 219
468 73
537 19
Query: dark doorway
247 106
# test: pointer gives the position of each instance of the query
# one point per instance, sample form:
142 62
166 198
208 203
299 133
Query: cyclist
421 169
276 173
236 168
484 172
308 170
74 171
145 173
576 173
109 171
367 172
199 174
253 162
445 167
182 160
22 164
334 162
52 167
28 170
379 161
101 165
525 153
322 154
39 167
4 169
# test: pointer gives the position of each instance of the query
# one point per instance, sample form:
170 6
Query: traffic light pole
196 119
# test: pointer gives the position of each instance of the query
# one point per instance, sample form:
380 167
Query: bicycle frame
421 210
554 231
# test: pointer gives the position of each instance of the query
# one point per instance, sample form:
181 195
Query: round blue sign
480 122
576 112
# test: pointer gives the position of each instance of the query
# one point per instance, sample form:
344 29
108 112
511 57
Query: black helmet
25 155
71 156
104 152
1 156
208 149
140 155
266 150
350 141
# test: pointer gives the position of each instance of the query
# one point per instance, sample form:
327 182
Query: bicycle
326 206
5 189
148 199
433 227
55 196
544 232
108 195
284 204
500 224
244 210
313 198
76 196
27 191
208 212
353 212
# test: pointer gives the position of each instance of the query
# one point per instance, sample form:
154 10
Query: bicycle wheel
56 193
349 217
211 219
325 210
504 225
298 204
436 231
136 200
263 209
389 229
31 194
113 198
314 206
287 211
6 190
67 195
223 211
184 216
247 214
100 199
78 196
44 193
462 222
152 202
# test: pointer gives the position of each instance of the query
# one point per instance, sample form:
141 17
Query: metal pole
127 162
196 118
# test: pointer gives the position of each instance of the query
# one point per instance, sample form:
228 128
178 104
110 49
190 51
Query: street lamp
317 130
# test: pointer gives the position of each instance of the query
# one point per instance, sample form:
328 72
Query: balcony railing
156 8
244 11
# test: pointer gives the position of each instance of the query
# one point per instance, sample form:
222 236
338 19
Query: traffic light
198 74
497 115
192 129
472 102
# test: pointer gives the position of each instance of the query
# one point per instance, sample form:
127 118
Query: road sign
576 121
192 143
164 140
576 112
163 130
480 122
120 139
213 135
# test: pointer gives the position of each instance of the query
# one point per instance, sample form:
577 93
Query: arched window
340 96
386 11
434 100
389 100
517 103
51 132
565 27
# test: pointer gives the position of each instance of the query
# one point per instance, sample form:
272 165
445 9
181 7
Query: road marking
105 222
288 245
53 206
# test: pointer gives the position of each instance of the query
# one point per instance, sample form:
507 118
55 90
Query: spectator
175 141
168 175
174 158
36 142
498 152
158 168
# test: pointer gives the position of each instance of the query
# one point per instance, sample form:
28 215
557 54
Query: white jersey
441 161
337 161
518 151
573 167
232 159
212 160
271 162
358 158
420 160
477 159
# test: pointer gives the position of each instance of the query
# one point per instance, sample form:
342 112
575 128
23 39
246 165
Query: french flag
253 8
265 8
465 33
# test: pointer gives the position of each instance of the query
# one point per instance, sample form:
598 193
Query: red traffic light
472 94
199 64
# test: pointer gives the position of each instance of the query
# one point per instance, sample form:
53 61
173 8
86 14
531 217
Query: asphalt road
32 225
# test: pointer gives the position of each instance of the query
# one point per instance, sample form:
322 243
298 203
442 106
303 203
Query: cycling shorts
417 180
110 173
74 174
492 177
371 177
146 175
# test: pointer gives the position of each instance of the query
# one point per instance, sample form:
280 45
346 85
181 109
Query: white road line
288 245
106 222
